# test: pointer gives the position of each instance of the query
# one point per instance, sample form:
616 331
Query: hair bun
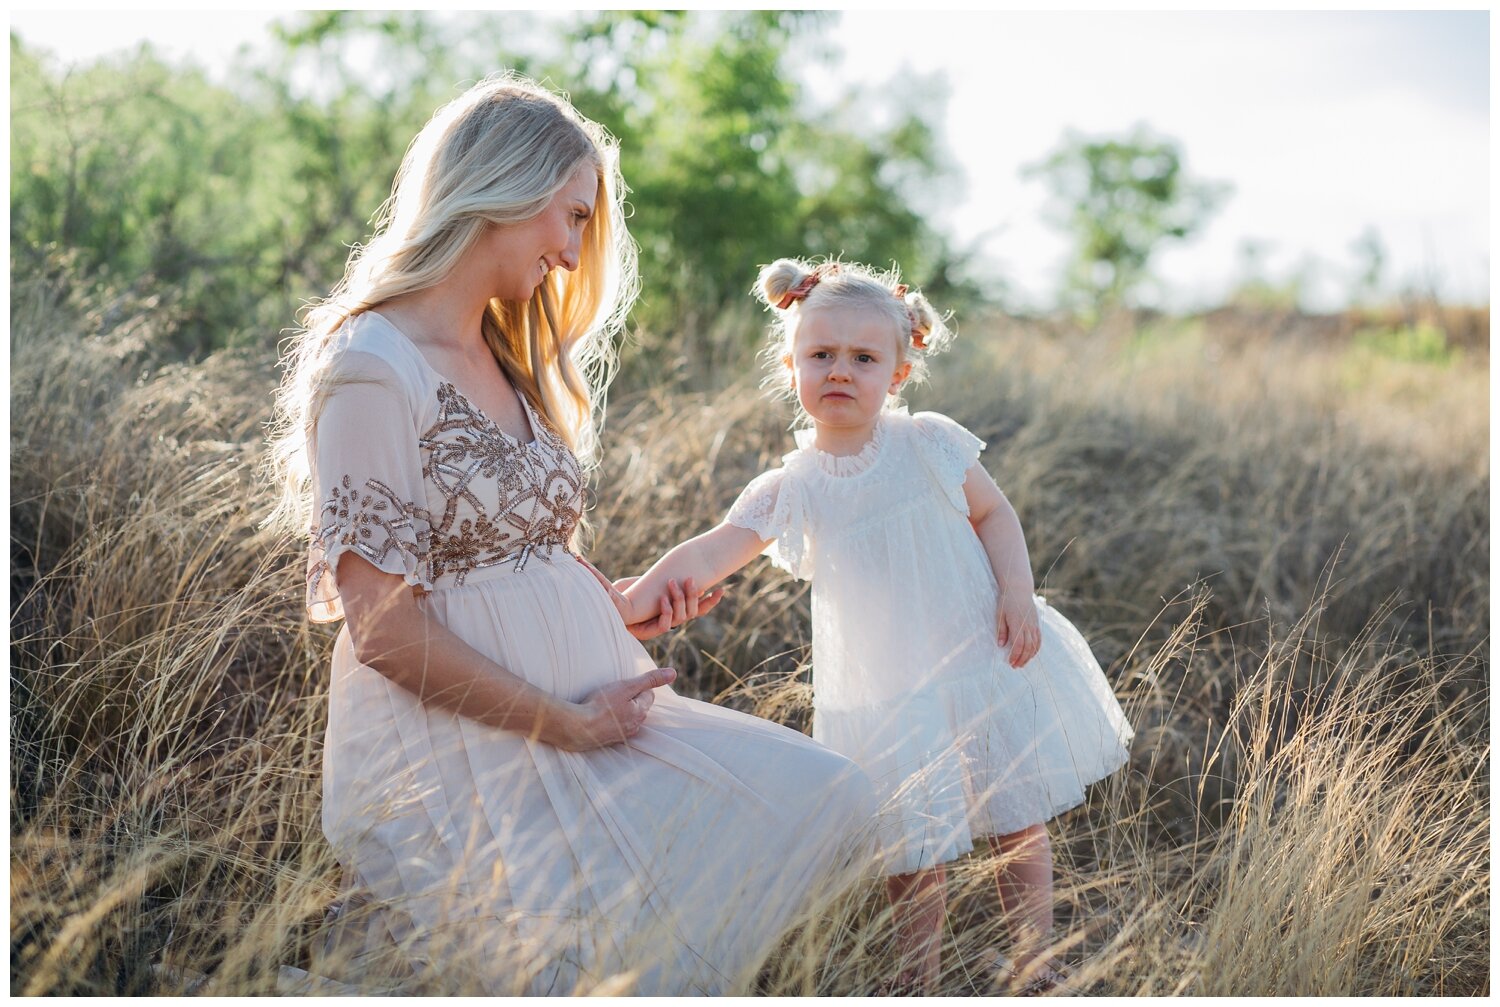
778 278
923 317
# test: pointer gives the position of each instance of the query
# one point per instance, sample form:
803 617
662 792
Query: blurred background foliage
244 196
239 194
1120 198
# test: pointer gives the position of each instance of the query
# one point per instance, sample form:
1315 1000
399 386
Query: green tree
134 171
1121 198
729 169
243 198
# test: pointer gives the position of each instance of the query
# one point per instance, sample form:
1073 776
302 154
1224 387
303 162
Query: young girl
977 709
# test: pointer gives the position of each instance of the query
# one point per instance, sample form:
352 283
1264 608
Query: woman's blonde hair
793 287
496 154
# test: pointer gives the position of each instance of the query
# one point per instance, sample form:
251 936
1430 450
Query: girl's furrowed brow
835 347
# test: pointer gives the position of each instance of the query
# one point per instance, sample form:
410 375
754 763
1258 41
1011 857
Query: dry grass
1278 546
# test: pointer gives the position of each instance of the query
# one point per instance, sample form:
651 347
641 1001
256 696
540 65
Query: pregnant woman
526 804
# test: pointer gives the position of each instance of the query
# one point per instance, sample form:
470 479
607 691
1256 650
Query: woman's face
523 254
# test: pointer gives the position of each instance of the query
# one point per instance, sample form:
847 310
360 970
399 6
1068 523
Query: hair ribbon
811 280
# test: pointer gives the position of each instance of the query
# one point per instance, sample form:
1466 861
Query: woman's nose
569 259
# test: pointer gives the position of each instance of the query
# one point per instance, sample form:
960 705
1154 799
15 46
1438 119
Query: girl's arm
394 636
704 560
999 530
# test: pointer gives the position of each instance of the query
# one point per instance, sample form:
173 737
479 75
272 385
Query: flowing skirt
669 864
979 748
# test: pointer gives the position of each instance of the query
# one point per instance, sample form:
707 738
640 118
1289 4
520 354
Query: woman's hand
611 714
680 604
1018 624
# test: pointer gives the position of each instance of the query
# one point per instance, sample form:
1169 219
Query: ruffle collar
844 466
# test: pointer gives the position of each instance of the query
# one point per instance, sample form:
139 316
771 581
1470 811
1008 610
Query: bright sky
1326 125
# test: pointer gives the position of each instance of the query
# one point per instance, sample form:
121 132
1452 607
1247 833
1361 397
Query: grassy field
1275 536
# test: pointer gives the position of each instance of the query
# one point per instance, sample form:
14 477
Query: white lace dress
670 864
908 680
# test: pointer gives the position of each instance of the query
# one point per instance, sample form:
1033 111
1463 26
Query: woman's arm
395 637
703 561
999 530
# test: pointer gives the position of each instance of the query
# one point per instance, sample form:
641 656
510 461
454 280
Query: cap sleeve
774 507
949 451
367 481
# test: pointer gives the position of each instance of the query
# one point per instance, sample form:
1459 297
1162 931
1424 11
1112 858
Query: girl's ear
902 373
786 359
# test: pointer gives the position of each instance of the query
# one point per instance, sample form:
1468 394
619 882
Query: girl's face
523 254
844 363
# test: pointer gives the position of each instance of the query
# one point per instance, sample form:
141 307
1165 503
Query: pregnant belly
551 624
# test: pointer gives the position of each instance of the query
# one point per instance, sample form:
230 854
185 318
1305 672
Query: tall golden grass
1278 546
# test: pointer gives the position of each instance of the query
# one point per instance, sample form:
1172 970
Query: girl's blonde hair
802 286
496 154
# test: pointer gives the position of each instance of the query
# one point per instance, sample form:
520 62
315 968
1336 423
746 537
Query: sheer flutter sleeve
948 451
774 507
367 481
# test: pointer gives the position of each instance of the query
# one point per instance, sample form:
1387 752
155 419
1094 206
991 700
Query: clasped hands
680 604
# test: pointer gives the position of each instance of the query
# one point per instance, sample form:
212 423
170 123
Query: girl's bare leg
1024 878
920 907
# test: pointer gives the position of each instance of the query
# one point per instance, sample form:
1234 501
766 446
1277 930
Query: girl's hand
682 603
677 606
611 714
1017 624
